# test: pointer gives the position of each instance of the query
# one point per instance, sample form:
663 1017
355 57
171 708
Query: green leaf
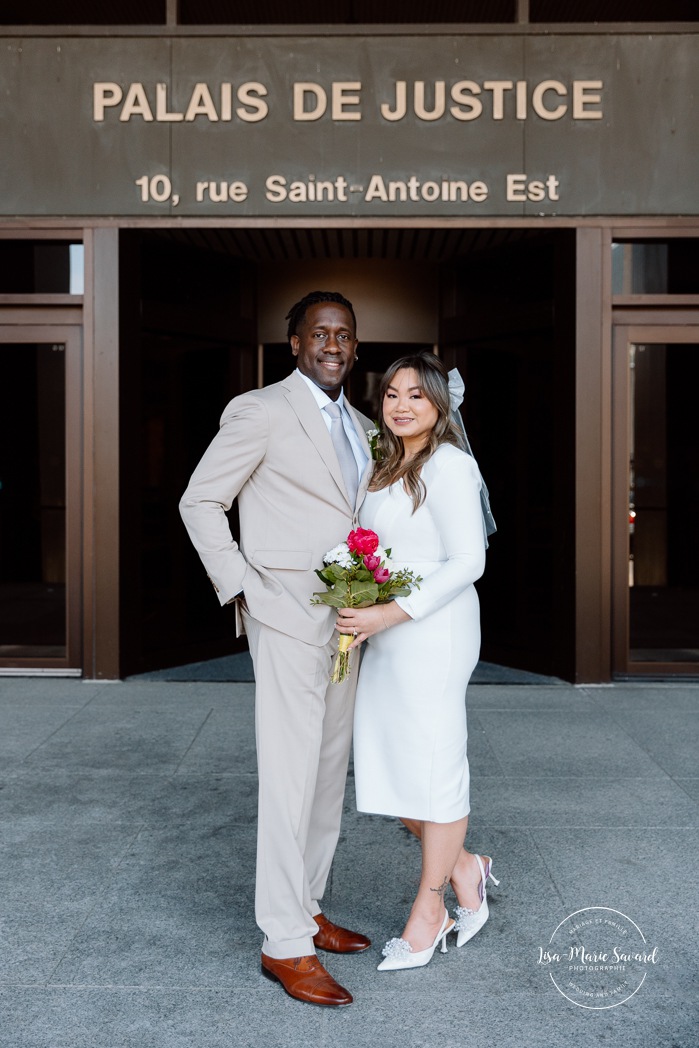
331 598
364 593
336 572
335 598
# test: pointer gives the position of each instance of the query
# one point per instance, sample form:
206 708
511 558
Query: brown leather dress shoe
336 939
306 979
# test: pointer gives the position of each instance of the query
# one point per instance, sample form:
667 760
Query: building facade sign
350 126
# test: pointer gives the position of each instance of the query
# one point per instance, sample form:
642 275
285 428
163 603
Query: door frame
680 328
29 329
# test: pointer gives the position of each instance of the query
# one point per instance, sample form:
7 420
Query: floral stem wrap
341 668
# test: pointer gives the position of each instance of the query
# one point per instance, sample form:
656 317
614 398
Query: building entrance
656 485
202 319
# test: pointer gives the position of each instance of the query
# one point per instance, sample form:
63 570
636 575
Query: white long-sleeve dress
410 716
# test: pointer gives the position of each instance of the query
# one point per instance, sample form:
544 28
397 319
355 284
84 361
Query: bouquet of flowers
359 573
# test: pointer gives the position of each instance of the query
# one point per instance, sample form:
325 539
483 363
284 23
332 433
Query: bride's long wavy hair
433 381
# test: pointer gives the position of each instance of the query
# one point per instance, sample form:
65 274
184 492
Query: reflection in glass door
662 452
39 586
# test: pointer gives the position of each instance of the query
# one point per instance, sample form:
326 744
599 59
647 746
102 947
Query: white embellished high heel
468 922
399 953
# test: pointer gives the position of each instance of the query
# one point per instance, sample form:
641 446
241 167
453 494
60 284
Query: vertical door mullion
74 495
620 501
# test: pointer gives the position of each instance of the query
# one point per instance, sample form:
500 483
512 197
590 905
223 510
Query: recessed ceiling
289 245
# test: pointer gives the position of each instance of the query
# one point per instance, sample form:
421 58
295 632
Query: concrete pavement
127 870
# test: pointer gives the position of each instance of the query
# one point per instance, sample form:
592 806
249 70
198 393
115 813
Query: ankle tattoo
442 888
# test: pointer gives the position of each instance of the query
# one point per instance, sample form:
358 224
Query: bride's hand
365 622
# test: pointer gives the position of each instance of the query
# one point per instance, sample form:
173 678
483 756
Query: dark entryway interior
504 314
508 324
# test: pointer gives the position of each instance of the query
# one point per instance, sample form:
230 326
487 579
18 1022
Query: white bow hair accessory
456 389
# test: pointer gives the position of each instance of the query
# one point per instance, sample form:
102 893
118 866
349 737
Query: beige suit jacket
273 453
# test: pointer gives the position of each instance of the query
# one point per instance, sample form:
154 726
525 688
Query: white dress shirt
321 399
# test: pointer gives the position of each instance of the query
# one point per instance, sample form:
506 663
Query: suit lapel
307 411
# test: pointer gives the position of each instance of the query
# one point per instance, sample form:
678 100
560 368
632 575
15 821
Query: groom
296 457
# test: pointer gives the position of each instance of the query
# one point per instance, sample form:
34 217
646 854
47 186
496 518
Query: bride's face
406 410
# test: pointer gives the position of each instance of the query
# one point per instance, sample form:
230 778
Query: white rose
340 554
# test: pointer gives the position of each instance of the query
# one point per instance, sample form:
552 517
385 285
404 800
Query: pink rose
363 541
381 575
371 563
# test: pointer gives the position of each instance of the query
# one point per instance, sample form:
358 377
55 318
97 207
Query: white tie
343 449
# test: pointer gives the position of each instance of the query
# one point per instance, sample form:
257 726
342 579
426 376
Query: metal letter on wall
333 126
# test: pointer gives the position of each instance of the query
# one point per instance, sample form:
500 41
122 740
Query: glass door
40 499
656 500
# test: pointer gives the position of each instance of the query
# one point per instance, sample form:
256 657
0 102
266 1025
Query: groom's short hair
298 311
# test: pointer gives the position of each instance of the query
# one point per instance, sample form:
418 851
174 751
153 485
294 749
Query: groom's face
325 346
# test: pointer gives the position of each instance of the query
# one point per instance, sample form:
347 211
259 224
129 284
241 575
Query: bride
410 717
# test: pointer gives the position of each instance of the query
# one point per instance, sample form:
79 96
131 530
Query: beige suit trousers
303 727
